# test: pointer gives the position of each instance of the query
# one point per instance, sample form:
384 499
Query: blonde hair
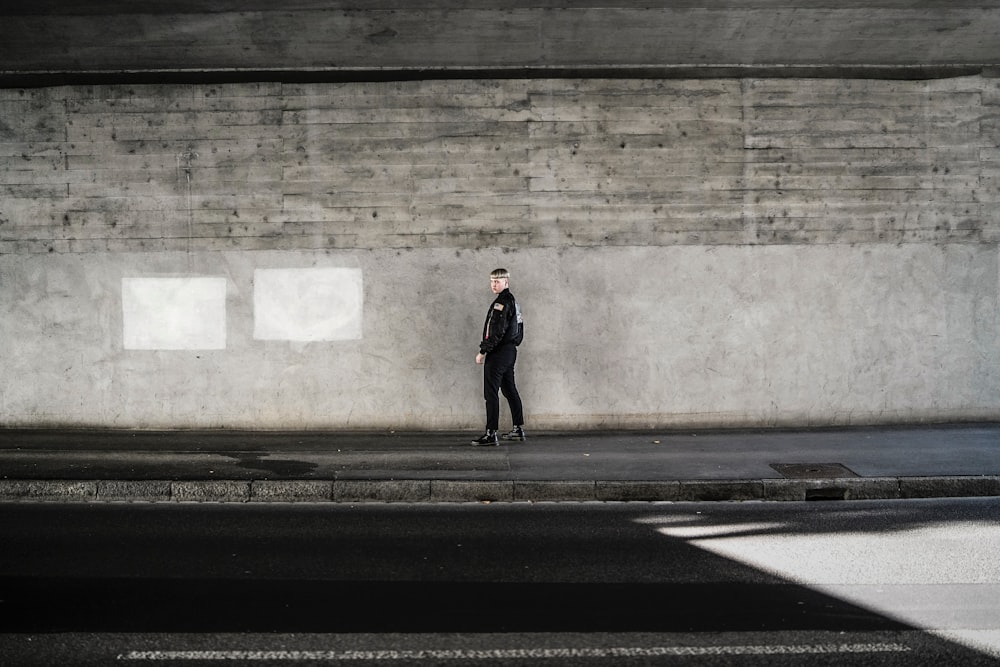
500 273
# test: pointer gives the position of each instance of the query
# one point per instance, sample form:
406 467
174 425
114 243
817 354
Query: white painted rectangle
314 304
176 313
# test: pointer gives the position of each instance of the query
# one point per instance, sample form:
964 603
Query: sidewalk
343 466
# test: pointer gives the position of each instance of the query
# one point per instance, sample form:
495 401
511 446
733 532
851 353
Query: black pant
498 375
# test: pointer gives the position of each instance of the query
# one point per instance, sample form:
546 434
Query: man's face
498 284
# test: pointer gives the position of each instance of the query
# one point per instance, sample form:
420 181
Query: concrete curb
433 491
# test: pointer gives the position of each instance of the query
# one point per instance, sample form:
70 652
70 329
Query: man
502 333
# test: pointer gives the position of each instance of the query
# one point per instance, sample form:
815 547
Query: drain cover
813 470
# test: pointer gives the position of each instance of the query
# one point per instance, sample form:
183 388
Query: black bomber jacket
501 326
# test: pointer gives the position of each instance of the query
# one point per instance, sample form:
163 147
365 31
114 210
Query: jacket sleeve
496 325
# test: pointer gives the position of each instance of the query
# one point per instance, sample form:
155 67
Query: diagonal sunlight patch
927 577
704 532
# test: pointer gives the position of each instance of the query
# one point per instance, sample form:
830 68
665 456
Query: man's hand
480 358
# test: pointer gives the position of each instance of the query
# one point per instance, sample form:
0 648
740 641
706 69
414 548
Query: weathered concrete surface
737 251
499 163
730 252
598 466
57 40
733 252
618 337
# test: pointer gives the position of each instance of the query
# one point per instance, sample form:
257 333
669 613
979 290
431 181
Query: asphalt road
859 583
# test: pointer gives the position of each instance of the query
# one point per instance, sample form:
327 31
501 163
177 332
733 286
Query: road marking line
514 654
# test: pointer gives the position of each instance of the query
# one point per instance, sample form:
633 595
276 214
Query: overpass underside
56 42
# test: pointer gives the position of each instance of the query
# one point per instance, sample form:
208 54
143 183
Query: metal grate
813 470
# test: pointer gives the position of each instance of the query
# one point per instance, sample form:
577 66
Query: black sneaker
517 433
488 439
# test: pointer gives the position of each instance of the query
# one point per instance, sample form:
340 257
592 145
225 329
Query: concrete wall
703 252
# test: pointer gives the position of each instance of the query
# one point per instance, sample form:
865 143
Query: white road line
515 654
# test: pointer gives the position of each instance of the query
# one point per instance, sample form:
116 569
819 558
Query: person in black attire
502 333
